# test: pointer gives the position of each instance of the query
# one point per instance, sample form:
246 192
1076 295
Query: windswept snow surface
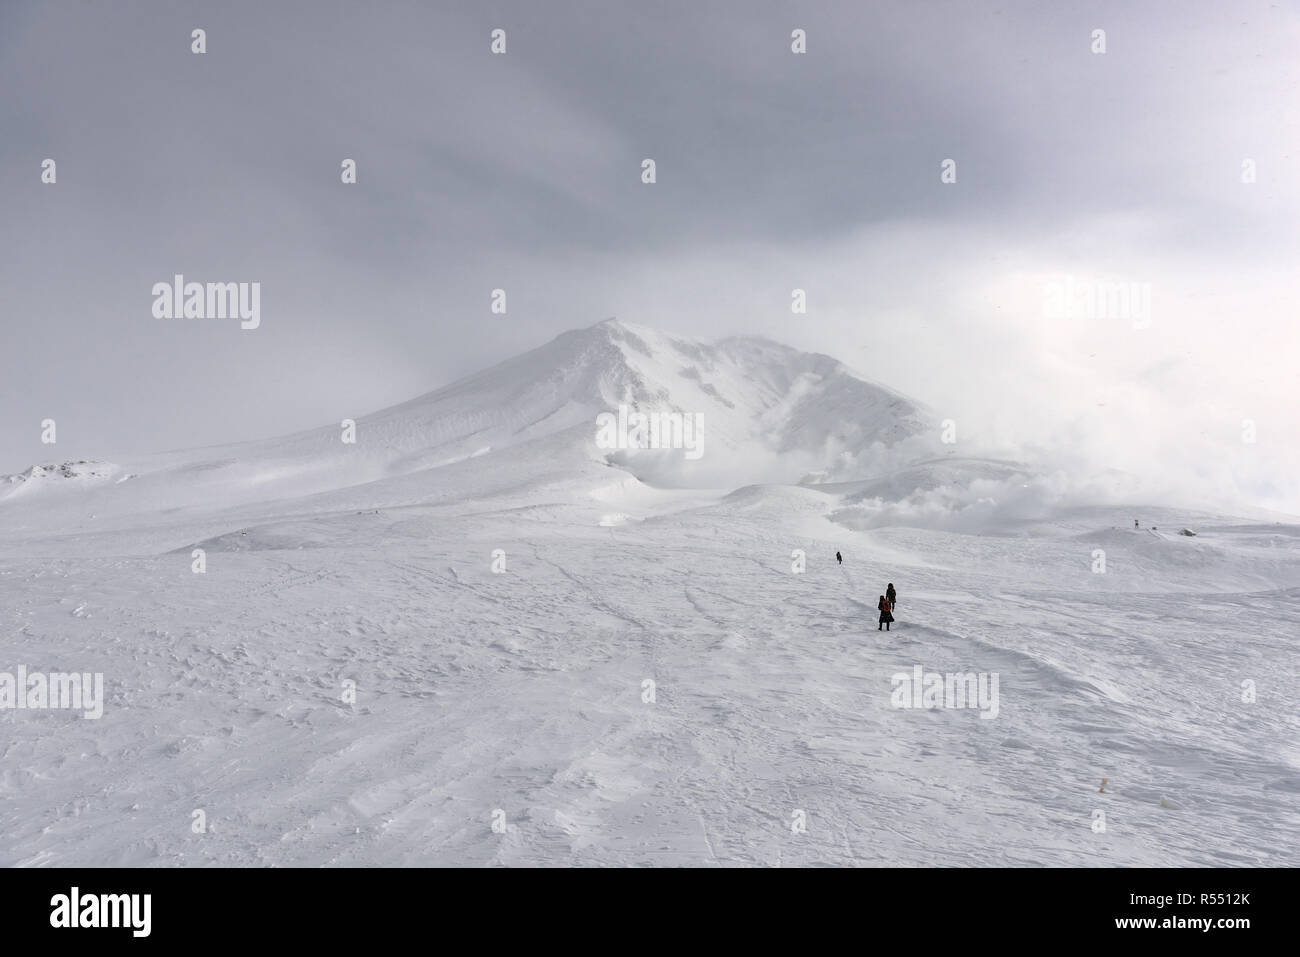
520 697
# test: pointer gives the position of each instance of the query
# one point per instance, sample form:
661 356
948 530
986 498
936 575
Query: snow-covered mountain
751 392
476 636
766 412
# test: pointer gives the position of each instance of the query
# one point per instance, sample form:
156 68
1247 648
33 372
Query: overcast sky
775 171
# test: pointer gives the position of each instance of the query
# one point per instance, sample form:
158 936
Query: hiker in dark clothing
839 559
885 616
891 596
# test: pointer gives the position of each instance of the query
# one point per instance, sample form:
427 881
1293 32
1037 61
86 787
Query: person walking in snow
839 559
885 616
891 596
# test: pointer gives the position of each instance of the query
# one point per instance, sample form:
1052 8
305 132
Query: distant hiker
885 616
839 559
1135 523
891 596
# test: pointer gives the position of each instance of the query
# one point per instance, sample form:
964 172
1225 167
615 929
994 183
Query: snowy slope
516 693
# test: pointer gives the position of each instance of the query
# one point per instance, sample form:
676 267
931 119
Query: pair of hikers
886 605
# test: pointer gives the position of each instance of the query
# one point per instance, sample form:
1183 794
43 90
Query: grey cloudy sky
775 171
